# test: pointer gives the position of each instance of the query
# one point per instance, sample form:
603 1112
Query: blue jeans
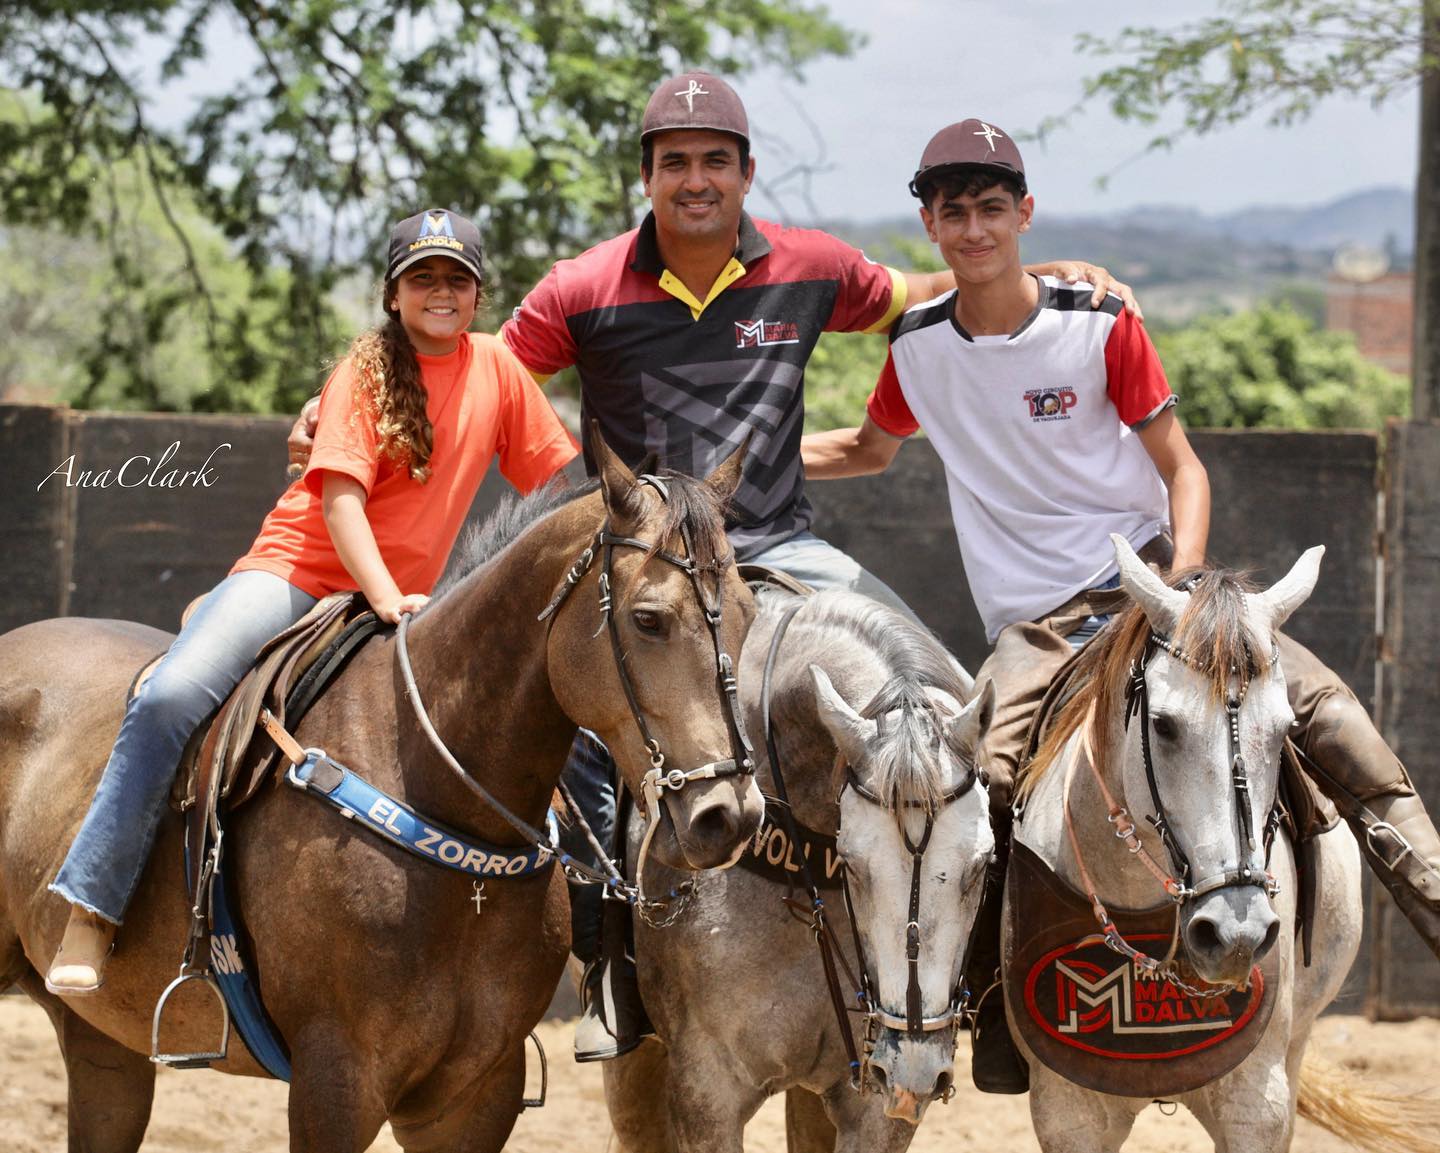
213 651
822 566
590 770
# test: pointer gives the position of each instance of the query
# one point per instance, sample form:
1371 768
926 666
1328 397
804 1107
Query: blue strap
238 986
399 824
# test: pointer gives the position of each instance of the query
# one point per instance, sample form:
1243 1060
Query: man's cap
434 232
695 100
969 143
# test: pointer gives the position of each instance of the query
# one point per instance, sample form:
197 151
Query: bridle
914 1022
659 779
1178 883
1137 702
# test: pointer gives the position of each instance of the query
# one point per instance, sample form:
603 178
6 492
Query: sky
859 124
929 63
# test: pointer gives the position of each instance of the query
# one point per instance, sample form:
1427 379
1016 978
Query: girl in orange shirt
409 423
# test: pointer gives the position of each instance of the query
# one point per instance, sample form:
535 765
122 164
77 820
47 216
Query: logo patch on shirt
1051 403
763 333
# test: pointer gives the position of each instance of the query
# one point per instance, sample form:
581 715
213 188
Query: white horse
736 987
1190 682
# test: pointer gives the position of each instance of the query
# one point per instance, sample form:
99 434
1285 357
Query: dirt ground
198 1111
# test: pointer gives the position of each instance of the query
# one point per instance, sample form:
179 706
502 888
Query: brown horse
399 996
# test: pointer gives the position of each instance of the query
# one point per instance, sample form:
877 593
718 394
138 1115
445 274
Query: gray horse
877 744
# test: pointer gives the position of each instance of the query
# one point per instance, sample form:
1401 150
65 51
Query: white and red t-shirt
1036 431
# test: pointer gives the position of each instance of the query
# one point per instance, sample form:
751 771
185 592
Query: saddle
223 757
1305 812
223 765
762 576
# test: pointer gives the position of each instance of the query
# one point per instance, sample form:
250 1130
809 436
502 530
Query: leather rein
913 1021
658 779
1177 882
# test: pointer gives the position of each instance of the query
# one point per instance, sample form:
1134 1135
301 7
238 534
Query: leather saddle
230 756
762 576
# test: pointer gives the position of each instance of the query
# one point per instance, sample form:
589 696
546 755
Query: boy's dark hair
967 180
647 154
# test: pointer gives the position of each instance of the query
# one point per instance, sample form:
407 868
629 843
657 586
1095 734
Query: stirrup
189 1060
538 1102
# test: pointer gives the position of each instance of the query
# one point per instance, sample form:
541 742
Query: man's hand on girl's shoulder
301 440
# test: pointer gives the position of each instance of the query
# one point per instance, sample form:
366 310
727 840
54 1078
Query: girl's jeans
213 651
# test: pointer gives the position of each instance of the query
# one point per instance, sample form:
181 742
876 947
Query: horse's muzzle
1227 931
912 1072
712 819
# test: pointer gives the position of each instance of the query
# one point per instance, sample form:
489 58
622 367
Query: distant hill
1189 261
1382 218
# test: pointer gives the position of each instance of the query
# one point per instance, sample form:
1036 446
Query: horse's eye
1165 727
648 621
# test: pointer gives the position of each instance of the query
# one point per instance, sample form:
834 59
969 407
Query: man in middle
691 333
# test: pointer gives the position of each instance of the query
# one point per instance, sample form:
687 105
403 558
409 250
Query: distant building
1381 314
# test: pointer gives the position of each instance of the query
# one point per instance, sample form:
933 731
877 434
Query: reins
1176 882
819 926
659 779
913 1021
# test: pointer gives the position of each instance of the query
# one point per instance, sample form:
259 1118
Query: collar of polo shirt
751 246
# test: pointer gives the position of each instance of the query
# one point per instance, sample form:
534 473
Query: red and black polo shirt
687 379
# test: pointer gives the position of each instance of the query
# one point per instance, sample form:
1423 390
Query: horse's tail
1366 1117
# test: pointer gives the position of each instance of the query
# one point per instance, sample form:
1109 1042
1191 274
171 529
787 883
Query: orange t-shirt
481 402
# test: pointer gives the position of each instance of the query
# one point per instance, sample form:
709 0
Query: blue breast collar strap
360 801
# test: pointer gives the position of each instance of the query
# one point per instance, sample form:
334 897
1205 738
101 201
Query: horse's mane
905 763
691 504
483 542
1214 633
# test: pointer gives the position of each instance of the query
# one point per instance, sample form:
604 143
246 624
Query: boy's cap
695 100
434 232
969 143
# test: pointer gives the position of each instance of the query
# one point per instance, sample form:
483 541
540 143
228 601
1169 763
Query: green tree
1272 368
72 330
1280 58
523 113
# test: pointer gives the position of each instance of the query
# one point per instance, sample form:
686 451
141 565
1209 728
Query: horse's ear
726 478
1287 594
965 732
850 731
617 483
1162 604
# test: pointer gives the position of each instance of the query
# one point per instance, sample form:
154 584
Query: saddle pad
1088 1015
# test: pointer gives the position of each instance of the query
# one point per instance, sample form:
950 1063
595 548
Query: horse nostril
877 1075
1203 936
1272 934
714 826
942 1084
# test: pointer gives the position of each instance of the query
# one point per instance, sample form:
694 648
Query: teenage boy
1056 427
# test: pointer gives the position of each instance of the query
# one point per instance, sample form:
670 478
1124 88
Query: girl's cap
434 232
